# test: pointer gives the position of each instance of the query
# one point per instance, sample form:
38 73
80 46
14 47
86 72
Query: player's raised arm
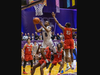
45 27
74 30
62 27
37 30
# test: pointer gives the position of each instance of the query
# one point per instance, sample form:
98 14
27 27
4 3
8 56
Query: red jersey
67 33
47 53
59 55
28 49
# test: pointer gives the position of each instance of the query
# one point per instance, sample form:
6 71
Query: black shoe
47 65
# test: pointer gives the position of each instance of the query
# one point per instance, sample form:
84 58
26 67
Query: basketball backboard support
26 5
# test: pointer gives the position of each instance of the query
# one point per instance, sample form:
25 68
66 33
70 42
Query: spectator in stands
40 37
28 35
25 37
58 37
61 38
61 35
74 34
22 36
36 36
32 36
53 36
75 40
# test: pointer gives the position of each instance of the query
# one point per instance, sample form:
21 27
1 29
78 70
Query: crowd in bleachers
25 36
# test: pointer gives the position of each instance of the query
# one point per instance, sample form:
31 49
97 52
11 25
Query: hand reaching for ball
40 23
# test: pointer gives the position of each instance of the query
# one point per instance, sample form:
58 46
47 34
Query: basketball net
39 9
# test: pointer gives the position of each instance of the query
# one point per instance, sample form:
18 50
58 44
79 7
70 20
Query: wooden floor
53 72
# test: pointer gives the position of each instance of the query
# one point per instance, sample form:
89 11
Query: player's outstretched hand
53 14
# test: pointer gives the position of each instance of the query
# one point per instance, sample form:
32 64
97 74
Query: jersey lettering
68 32
46 35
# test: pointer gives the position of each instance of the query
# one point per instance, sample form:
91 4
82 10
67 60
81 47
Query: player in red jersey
59 58
28 54
69 42
42 61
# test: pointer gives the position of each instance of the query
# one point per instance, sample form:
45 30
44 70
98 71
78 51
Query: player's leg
26 60
62 71
34 58
24 67
50 69
42 48
31 64
52 56
34 67
42 53
67 59
61 66
74 51
71 51
51 45
41 68
31 61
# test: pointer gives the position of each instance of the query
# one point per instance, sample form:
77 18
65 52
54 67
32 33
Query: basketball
36 20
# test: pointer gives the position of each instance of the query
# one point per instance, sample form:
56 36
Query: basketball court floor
46 71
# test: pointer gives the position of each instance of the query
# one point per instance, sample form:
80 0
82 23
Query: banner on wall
39 42
57 6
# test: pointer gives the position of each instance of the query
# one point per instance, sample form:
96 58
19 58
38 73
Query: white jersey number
68 32
28 49
46 35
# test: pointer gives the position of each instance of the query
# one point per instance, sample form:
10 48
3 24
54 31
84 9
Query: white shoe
72 67
67 68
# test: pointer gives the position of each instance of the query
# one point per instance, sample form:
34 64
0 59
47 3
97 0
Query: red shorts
43 61
28 57
55 61
69 44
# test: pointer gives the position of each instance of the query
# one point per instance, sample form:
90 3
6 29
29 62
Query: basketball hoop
39 9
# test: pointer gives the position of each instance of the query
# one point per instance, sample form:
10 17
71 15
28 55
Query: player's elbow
36 30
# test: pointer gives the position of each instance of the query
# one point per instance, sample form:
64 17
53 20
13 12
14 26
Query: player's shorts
55 61
47 43
28 57
69 44
43 61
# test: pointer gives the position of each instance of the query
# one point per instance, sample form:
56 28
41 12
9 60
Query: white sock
62 68
47 61
72 64
67 65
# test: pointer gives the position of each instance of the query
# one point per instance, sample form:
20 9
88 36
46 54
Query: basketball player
68 43
42 62
28 54
47 41
35 47
57 59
